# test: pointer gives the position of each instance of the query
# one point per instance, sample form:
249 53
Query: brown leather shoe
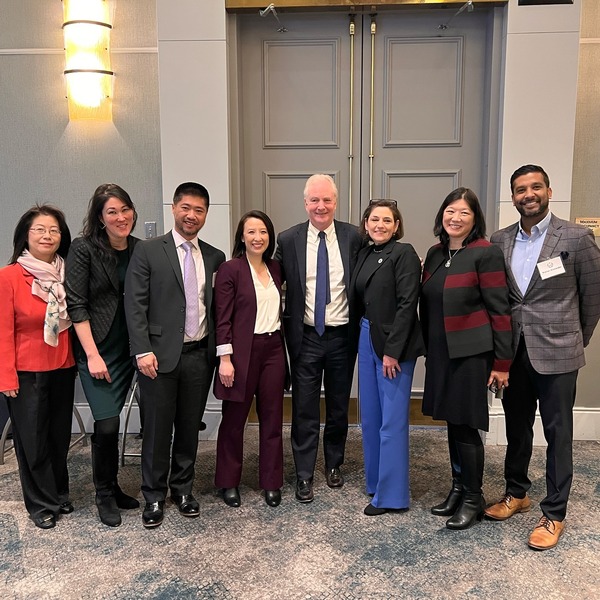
507 507
546 534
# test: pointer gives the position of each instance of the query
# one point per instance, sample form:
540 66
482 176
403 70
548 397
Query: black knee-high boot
470 509
105 464
450 504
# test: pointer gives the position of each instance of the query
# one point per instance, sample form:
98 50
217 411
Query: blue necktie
322 291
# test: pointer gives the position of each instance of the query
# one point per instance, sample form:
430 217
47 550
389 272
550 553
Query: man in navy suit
319 351
553 276
171 330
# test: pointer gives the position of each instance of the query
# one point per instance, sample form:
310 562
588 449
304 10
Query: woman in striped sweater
466 322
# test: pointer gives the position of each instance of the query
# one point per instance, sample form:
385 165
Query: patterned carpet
320 551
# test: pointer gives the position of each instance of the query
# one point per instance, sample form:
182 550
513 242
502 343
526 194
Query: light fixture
87 26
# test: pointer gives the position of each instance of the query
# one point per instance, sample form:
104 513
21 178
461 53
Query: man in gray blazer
318 346
553 274
168 305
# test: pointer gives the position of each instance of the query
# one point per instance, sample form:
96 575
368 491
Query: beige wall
585 195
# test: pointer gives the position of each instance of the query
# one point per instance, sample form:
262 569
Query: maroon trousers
266 379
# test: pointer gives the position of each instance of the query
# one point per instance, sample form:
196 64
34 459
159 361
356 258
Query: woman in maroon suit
37 369
252 357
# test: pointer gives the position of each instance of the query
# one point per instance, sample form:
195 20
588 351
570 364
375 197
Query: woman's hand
10 393
97 368
226 371
500 377
391 367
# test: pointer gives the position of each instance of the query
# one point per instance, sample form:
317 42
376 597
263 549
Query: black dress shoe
304 490
231 497
374 511
45 521
188 505
273 497
66 508
153 514
334 477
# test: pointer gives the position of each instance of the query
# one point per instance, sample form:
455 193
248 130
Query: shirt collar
179 239
314 232
538 229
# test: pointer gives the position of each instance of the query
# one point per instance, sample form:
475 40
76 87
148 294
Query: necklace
451 256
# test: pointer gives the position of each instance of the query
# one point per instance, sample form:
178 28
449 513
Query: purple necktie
190 285
322 288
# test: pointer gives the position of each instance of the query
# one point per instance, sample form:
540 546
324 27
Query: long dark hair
469 196
239 249
93 228
21 235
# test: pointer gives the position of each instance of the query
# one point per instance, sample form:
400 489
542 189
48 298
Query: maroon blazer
235 309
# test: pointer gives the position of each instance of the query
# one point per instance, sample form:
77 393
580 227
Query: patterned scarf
48 284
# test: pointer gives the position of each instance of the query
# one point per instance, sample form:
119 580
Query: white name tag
214 279
551 267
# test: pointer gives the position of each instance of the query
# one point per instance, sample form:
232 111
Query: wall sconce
89 78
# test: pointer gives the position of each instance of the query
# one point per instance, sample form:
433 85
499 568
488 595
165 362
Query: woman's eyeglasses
53 231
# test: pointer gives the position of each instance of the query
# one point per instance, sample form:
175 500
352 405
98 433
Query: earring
102 225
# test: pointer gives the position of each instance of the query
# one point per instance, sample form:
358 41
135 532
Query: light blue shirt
527 251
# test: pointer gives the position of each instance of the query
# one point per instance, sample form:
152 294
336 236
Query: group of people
512 314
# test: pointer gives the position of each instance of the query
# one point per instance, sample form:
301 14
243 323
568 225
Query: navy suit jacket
155 299
291 254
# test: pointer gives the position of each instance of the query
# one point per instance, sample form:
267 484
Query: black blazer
390 301
291 254
92 285
155 299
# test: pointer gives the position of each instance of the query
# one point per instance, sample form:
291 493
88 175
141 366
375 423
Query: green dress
107 399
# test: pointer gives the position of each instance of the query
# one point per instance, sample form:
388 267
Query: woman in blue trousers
385 285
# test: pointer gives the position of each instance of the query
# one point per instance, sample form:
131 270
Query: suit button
181 330
182 309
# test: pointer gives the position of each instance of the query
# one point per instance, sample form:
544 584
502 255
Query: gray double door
391 105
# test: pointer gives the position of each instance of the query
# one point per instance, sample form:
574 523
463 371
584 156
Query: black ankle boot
108 510
124 501
472 505
450 504
469 511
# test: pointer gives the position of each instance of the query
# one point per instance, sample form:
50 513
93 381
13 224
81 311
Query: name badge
551 267
214 279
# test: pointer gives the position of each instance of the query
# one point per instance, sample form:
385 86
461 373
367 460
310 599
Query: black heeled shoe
231 497
66 508
45 521
273 497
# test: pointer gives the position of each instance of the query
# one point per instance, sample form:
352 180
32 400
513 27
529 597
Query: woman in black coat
96 267
385 285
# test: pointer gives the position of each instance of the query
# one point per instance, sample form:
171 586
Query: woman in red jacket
466 323
37 372
252 357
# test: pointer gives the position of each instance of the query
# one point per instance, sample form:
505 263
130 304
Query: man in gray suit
168 305
316 326
553 274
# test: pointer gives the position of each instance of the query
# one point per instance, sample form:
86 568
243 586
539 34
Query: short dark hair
469 196
524 170
239 249
21 235
93 228
393 206
191 188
